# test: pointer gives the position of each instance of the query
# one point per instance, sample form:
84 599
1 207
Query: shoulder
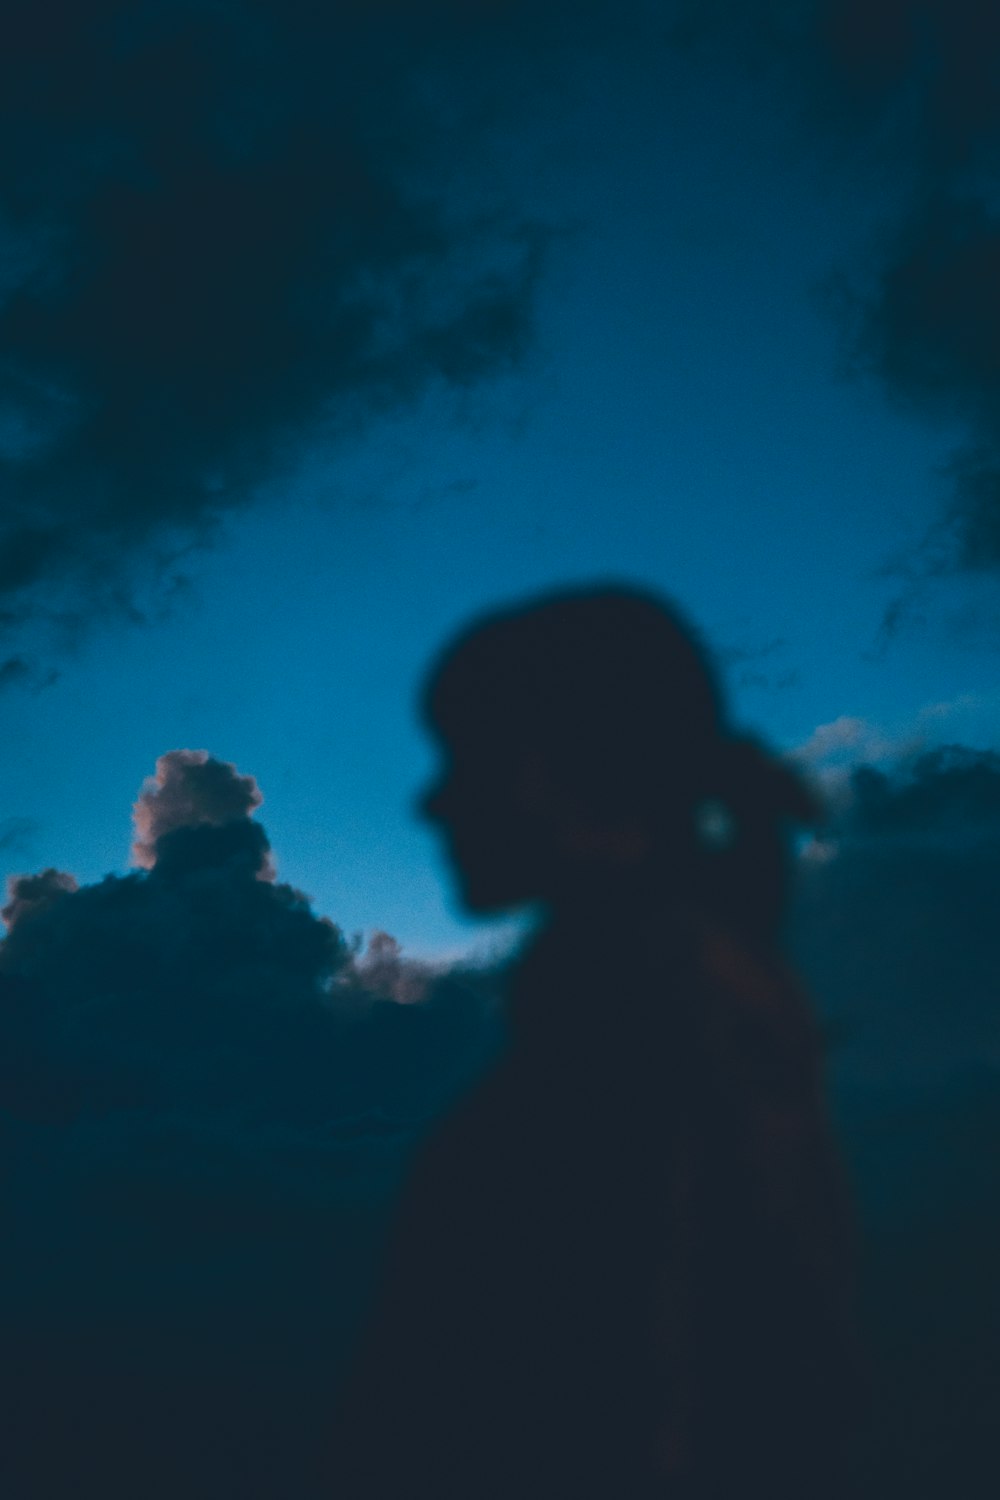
459 1144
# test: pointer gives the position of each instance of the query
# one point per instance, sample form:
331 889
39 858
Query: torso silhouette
619 1263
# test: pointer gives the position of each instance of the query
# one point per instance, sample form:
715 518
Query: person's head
586 751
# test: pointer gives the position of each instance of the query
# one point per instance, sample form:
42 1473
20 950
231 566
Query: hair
613 687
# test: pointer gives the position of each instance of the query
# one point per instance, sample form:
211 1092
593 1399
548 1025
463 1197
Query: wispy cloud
18 834
225 233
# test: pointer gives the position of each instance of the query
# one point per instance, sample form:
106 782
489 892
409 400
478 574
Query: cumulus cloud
190 789
207 1095
831 755
846 735
383 971
34 893
194 950
224 232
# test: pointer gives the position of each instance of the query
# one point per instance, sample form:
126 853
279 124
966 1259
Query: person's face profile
482 804
514 834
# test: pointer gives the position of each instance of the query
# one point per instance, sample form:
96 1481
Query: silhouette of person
622 1265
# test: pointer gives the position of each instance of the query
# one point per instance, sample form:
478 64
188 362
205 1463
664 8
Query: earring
715 824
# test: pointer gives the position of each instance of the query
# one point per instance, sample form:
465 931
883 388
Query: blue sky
680 418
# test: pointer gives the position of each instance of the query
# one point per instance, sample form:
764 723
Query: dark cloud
224 230
924 319
908 90
14 669
198 964
33 893
229 232
895 927
947 799
927 326
894 919
759 666
207 1096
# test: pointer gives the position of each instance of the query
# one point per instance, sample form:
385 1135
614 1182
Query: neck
598 962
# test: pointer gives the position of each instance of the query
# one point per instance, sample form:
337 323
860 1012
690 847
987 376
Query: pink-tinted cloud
191 789
846 737
385 973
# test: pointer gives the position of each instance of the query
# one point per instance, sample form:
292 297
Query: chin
487 897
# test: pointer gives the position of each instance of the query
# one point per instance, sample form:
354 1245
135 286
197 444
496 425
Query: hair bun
758 785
